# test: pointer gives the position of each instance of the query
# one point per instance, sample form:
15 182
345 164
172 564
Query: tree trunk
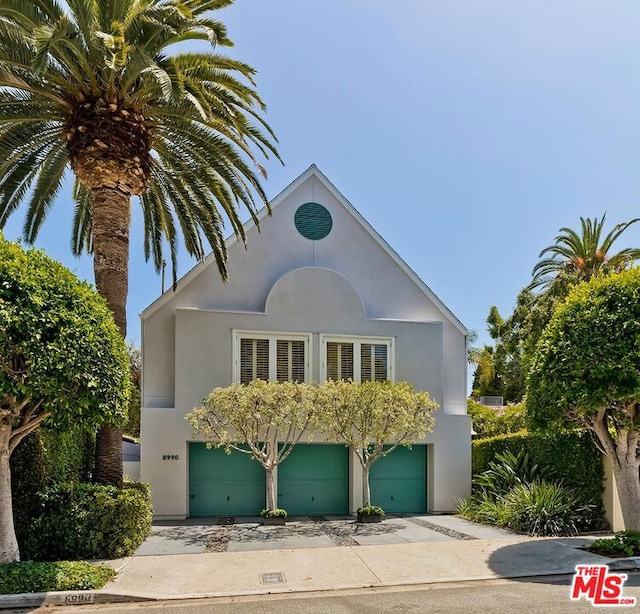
271 490
110 223
8 544
108 467
625 471
366 491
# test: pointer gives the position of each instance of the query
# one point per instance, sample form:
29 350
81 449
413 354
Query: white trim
273 338
313 170
357 341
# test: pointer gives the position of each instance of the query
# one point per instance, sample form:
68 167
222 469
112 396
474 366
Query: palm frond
583 254
199 112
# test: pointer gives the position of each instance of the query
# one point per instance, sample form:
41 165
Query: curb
627 564
34 600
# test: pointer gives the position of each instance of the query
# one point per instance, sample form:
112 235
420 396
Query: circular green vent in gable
313 221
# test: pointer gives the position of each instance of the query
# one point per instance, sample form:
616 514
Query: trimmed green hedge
571 456
30 577
44 458
88 521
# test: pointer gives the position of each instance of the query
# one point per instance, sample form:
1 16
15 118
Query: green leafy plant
623 542
537 508
517 494
370 510
63 362
509 470
572 455
544 508
274 513
587 371
89 521
39 577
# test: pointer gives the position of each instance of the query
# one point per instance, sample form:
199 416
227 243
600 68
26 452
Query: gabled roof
314 171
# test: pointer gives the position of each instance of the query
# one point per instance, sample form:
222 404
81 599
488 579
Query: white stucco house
317 294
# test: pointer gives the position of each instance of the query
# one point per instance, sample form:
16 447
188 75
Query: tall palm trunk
111 269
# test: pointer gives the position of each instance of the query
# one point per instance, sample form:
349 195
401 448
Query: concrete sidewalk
347 567
472 552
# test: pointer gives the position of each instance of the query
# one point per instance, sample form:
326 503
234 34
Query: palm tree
578 257
101 89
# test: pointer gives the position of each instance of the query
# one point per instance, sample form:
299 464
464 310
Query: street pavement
550 595
201 558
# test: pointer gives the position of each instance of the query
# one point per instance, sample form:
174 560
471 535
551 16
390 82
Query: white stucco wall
347 283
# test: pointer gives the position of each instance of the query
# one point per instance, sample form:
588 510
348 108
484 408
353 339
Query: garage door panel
223 484
398 481
313 498
313 480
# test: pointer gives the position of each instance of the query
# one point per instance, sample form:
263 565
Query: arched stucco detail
315 291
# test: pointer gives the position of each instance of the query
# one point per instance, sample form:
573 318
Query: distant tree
573 258
587 370
62 361
263 419
473 351
373 419
505 365
583 255
132 427
498 371
492 421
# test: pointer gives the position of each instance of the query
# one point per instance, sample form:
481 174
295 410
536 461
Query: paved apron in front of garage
221 534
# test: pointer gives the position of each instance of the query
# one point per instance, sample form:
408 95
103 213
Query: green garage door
313 480
223 484
398 481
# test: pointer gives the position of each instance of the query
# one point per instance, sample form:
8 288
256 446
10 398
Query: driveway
227 534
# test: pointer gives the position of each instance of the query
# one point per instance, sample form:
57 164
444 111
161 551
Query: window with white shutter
339 360
278 357
359 359
254 360
291 360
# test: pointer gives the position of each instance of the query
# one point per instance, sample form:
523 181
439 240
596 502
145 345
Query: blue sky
466 132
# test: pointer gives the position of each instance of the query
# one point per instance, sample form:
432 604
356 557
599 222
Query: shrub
623 542
510 471
44 458
571 456
370 510
512 493
89 521
278 512
31 577
545 508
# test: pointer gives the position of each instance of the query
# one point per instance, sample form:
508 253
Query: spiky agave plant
100 88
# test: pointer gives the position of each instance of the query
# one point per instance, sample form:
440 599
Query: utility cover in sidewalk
275 577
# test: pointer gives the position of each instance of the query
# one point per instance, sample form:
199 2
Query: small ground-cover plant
518 495
623 543
278 512
39 577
